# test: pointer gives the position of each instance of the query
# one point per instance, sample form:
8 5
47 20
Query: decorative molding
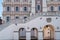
40 31
28 31
16 31
57 31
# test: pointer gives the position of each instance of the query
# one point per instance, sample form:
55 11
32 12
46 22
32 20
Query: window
17 17
17 9
25 17
38 7
7 19
52 8
25 8
59 8
8 8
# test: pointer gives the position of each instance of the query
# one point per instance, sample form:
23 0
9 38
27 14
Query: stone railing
42 14
50 13
54 2
35 16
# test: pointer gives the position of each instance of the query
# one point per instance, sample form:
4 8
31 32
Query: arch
22 34
48 32
52 8
34 34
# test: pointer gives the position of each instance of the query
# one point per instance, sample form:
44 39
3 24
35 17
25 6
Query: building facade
30 20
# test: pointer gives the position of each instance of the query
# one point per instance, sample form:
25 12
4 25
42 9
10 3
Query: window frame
8 9
25 8
52 8
38 7
16 8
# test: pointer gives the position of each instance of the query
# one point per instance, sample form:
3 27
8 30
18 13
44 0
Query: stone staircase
4 25
42 14
32 17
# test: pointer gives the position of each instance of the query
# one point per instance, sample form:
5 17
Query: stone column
40 35
28 35
32 8
44 5
16 35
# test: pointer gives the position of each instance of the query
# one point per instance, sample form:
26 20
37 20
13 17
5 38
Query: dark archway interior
34 39
22 34
22 39
34 32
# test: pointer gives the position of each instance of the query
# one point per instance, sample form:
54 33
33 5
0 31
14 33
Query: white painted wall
8 33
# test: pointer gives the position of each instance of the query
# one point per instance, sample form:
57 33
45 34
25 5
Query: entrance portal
48 32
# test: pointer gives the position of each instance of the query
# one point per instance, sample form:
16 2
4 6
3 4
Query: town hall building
30 20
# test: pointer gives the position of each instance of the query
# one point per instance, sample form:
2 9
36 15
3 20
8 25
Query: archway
34 34
22 34
48 32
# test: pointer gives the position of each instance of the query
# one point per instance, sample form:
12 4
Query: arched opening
48 32
22 34
52 8
34 34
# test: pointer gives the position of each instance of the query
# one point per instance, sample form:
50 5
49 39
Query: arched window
7 19
59 8
8 8
17 8
52 8
38 7
17 17
25 8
